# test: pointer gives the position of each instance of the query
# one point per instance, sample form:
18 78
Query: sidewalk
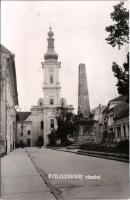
20 180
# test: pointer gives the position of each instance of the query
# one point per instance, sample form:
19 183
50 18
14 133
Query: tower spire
50 54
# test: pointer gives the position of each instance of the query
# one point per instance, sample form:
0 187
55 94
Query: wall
37 117
8 91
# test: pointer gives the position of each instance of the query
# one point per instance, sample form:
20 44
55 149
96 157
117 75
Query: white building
51 87
8 100
30 125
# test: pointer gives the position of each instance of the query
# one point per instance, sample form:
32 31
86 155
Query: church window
42 125
52 123
51 101
51 79
29 132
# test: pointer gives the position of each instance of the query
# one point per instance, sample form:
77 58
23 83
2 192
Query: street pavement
113 182
20 179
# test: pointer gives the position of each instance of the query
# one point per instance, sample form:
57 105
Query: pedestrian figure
39 142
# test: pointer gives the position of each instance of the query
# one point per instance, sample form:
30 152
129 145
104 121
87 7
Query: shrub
121 147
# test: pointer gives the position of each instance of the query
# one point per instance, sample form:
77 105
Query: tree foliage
65 124
122 74
118 36
119 31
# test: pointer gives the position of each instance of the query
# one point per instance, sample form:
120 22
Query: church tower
51 87
83 95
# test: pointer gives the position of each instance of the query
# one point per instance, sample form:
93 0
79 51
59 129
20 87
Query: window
14 126
119 131
85 130
42 125
51 79
21 126
29 132
124 129
51 101
21 134
52 123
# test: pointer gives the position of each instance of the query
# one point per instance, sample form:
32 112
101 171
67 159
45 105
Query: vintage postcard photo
64 100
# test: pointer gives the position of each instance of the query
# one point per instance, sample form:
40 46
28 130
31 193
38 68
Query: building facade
24 126
98 123
116 120
8 100
30 125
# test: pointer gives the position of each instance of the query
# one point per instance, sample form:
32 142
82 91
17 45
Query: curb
105 157
96 155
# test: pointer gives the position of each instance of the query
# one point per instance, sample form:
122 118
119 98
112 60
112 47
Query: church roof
121 110
4 50
22 116
120 98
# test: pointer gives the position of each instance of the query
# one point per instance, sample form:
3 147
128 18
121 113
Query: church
42 118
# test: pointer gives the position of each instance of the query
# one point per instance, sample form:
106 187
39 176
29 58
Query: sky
79 32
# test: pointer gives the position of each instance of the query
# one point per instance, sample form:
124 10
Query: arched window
51 101
52 123
42 125
51 79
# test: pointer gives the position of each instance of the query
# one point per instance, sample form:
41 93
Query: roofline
7 50
116 99
122 116
15 79
11 56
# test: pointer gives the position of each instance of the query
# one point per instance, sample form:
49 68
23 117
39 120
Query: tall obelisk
83 95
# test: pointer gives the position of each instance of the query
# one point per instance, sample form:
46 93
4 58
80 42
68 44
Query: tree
119 32
119 35
65 124
122 74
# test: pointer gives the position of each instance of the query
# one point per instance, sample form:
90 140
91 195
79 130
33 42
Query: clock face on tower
51 69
